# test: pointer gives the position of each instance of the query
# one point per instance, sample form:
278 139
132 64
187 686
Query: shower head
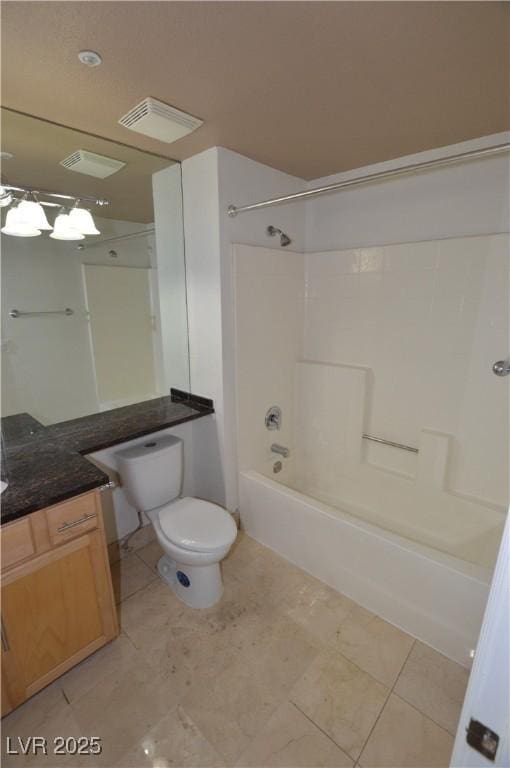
284 239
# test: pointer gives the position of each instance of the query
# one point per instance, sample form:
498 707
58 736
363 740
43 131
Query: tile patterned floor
282 672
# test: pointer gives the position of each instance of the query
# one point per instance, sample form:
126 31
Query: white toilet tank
151 471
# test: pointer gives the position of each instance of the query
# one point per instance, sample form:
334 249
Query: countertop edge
54 500
25 502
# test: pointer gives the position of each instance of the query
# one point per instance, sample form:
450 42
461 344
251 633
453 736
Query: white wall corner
203 280
243 180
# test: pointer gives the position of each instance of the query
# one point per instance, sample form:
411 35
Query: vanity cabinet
57 599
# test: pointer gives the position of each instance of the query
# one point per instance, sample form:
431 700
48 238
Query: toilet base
199 586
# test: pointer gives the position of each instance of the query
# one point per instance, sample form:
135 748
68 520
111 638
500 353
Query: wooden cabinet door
56 610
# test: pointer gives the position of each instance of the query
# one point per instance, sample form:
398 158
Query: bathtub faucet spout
275 448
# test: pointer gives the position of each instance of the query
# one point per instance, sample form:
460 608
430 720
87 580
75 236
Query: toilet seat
197 525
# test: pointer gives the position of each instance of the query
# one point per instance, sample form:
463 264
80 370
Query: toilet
194 534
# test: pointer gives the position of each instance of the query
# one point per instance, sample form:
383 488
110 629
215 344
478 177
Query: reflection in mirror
90 322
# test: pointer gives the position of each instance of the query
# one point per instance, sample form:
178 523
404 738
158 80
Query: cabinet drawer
17 542
72 518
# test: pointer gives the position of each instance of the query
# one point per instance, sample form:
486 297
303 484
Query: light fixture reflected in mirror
82 220
32 212
30 217
64 229
17 226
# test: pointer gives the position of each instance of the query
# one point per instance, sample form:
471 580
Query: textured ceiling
311 88
39 146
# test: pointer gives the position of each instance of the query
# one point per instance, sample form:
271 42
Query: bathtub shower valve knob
274 418
502 367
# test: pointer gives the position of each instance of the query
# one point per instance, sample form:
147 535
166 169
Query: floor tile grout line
126 553
332 651
403 664
128 597
423 714
375 723
150 567
178 706
400 696
316 725
129 639
390 691
252 738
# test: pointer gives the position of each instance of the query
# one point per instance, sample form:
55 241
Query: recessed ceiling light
90 58
6 155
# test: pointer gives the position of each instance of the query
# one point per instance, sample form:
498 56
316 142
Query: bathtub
434 596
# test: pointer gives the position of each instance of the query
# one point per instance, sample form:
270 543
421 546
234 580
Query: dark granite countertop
45 465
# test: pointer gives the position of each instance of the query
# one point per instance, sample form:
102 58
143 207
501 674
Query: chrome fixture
391 443
46 193
274 418
26 216
109 486
284 239
118 238
83 519
277 467
502 367
18 313
281 450
476 154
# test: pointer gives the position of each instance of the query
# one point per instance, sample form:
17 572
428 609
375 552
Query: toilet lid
197 525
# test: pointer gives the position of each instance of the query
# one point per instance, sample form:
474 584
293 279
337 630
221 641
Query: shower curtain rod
233 210
116 239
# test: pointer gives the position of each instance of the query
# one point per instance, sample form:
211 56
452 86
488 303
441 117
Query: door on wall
121 327
483 738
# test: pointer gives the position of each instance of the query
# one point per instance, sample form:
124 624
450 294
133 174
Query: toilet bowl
195 534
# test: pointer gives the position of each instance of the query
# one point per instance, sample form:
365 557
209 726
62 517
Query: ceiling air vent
91 164
159 121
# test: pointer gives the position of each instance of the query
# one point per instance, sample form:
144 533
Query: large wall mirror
93 309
